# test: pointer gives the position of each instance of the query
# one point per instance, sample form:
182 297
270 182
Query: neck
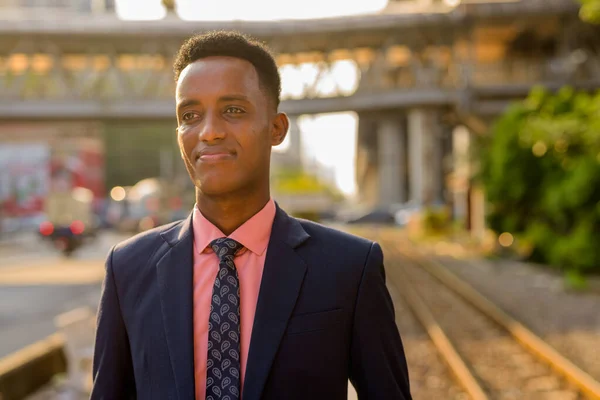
229 212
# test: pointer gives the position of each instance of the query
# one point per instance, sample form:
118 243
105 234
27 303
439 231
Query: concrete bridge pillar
400 159
461 139
425 157
366 161
294 151
416 128
391 157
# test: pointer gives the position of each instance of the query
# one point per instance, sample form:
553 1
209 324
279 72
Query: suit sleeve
112 366
378 367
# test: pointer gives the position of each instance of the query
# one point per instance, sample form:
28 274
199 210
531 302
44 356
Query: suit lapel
175 281
281 282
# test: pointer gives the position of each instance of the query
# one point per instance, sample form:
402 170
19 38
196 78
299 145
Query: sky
320 133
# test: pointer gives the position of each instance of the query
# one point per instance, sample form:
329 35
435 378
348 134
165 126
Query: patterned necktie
223 368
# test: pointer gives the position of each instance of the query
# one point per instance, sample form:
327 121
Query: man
241 300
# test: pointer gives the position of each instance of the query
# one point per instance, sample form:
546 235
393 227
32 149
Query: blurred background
463 135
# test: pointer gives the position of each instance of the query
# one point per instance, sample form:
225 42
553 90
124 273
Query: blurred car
149 203
376 216
70 219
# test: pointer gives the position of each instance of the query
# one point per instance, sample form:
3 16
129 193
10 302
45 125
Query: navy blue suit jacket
324 315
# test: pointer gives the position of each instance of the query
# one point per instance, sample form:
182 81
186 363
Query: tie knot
224 247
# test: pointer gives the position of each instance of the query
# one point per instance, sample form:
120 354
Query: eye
234 110
188 116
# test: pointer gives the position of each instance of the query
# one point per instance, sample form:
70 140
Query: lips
213 154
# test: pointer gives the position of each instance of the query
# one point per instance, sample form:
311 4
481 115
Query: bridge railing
103 77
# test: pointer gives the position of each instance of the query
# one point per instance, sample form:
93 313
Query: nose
211 129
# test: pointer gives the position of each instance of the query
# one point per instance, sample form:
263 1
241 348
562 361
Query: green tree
590 11
540 168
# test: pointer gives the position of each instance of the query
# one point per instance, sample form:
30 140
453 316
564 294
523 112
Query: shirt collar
253 234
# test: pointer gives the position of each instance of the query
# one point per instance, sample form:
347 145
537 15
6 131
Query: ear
279 129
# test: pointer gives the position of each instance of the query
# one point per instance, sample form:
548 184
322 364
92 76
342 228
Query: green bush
590 11
540 168
436 221
298 182
311 216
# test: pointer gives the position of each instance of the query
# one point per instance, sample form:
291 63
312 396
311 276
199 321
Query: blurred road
37 284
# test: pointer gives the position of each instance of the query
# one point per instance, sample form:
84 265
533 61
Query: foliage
436 221
590 11
169 4
540 168
574 280
311 216
298 182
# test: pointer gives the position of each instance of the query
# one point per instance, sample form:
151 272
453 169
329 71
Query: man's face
226 125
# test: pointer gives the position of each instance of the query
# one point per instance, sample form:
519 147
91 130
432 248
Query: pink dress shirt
254 236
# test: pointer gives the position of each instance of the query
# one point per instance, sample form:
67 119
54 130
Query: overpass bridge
423 68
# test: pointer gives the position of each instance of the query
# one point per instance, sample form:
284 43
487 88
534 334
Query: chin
215 187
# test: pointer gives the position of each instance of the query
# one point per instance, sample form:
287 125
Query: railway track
491 356
430 377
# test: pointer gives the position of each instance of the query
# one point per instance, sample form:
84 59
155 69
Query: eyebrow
187 103
230 97
234 97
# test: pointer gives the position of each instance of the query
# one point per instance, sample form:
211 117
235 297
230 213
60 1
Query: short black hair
233 44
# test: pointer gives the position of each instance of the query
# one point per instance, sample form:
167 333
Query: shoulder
328 233
336 240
